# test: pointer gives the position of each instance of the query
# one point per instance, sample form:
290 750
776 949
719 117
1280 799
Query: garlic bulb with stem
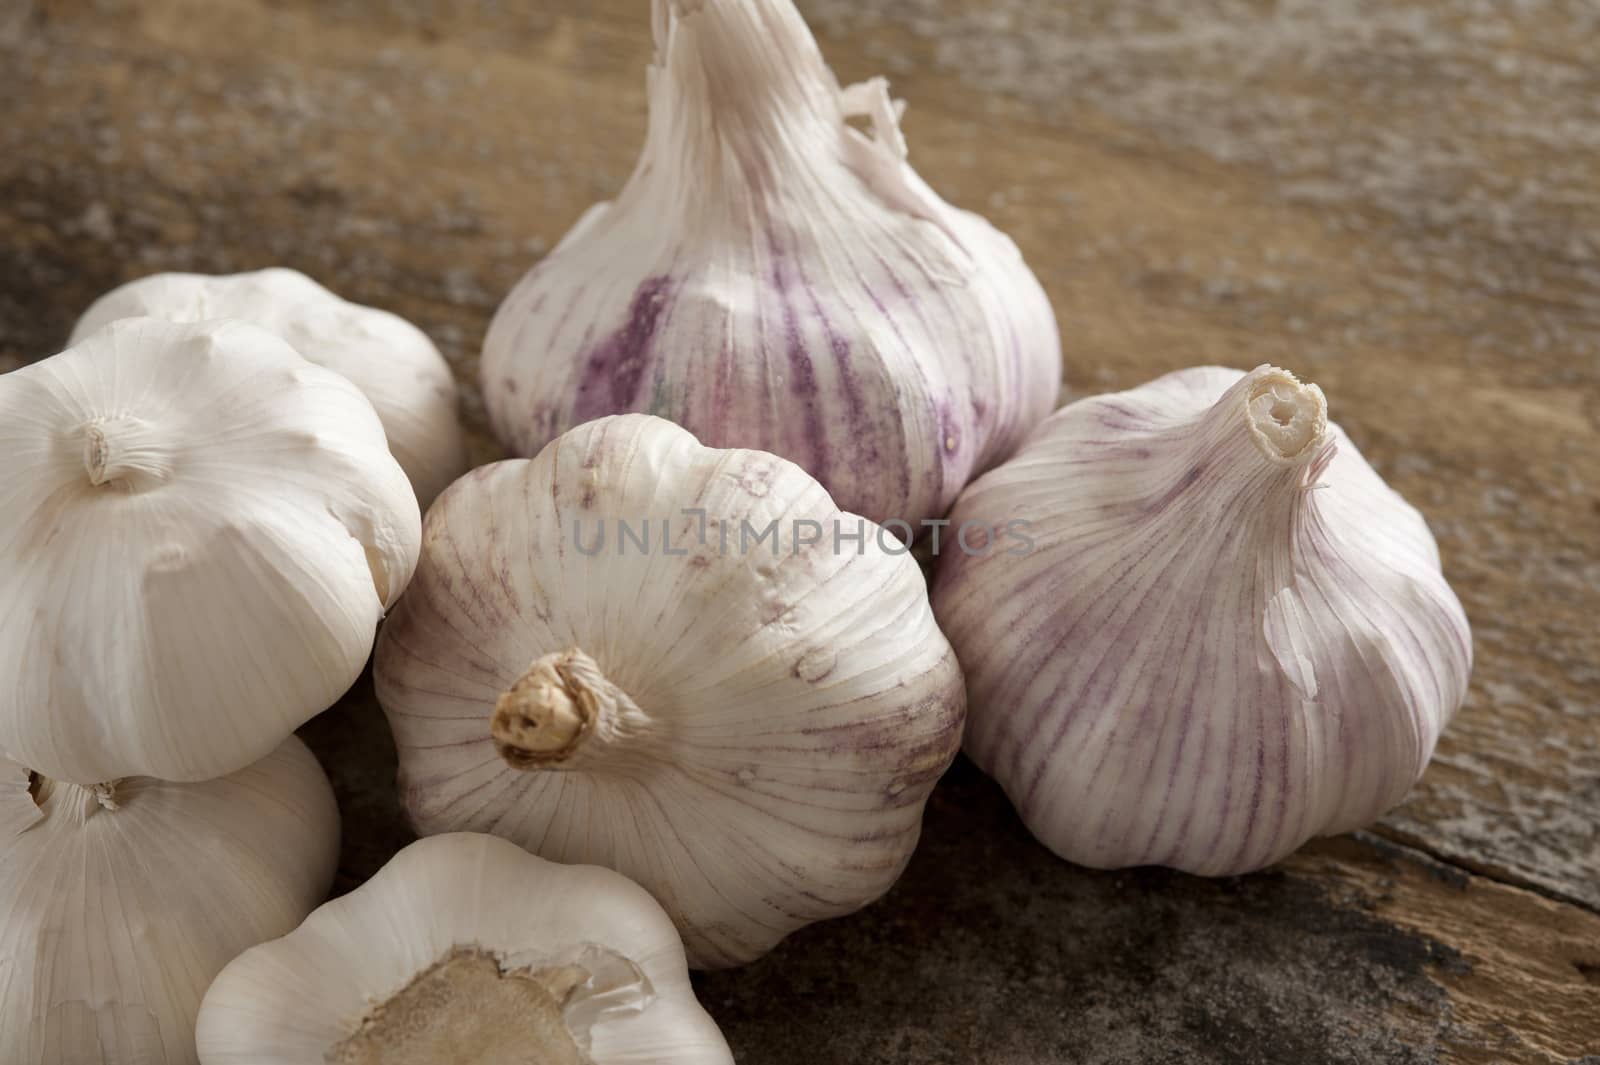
465 948
199 532
393 362
1207 630
682 663
772 277
119 902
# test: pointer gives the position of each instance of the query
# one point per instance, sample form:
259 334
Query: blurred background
1397 200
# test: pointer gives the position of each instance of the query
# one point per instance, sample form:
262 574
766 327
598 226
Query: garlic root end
467 1007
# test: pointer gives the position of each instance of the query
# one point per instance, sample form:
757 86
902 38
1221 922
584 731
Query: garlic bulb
198 535
772 277
1210 631
120 902
465 948
392 361
744 710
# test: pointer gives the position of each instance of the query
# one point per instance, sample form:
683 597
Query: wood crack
1497 874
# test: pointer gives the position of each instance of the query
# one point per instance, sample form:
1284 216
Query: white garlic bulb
465 948
120 902
1206 630
199 533
393 362
772 277
749 728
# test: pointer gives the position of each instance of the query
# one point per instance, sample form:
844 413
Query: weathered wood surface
1399 200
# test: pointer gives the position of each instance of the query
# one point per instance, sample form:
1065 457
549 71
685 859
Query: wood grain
1395 199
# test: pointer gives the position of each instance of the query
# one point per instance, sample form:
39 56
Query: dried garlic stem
119 451
1288 420
543 719
79 800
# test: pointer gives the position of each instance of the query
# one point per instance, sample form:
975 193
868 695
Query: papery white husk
772 277
1195 649
784 714
292 1001
393 362
222 584
119 904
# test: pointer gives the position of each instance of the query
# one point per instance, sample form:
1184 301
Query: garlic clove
200 532
393 362
750 729
1212 633
120 902
772 277
467 948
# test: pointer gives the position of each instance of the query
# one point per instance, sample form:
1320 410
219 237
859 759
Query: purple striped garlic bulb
1206 631
772 277
681 663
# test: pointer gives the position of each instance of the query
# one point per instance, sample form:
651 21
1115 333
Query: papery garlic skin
1214 634
119 903
750 734
199 534
773 278
333 990
393 362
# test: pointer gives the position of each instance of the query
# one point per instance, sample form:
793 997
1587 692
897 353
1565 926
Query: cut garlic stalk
747 727
393 363
465 948
1213 633
121 901
199 532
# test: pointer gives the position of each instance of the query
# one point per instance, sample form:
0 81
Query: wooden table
1399 200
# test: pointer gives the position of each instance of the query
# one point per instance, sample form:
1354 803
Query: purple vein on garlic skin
1231 635
772 277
